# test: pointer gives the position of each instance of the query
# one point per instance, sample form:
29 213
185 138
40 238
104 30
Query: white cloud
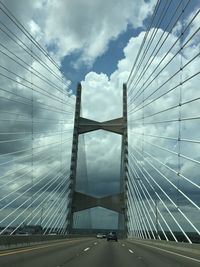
87 26
31 88
99 91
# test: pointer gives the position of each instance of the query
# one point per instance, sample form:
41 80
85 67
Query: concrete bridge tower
79 201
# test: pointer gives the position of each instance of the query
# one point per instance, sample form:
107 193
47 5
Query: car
112 236
99 236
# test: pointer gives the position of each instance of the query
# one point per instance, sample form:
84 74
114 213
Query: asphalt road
97 253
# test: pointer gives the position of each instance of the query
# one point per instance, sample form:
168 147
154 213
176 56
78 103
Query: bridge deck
92 252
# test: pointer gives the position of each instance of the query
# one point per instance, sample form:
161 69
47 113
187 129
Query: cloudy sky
96 42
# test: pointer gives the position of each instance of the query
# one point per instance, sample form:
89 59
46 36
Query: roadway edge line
26 249
171 252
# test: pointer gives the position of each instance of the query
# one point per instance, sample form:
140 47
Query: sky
96 43
88 52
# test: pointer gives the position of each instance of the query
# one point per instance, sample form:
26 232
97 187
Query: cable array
163 116
36 115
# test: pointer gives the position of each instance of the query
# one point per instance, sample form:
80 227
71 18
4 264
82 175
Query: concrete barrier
12 241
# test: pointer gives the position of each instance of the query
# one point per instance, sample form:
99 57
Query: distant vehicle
22 233
99 236
104 236
112 236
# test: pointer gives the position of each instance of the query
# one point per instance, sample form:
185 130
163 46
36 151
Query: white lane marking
174 253
130 251
123 245
95 243
86 249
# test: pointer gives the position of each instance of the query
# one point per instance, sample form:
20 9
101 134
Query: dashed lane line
86 249
130 251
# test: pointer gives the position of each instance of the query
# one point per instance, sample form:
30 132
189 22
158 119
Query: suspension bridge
48 186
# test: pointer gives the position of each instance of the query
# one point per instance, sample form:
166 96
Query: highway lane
155 255
44 255
93 252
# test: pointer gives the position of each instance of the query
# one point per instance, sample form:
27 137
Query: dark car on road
112 236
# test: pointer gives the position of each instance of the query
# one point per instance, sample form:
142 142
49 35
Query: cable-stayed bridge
46 189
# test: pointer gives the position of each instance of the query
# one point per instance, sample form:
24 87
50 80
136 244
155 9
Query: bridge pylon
79 201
